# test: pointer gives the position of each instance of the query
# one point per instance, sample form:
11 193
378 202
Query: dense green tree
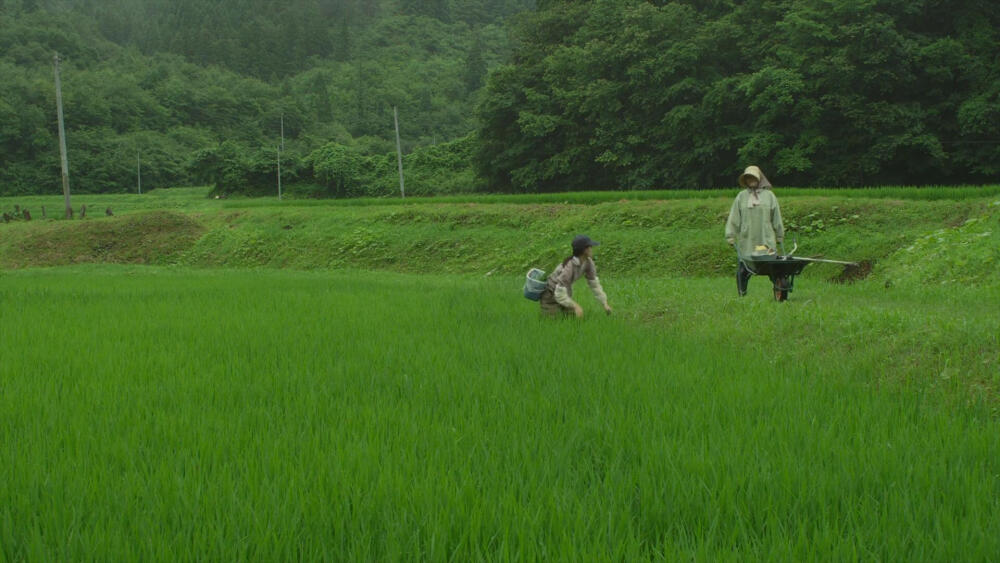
339 168
636 94
475 66
431 8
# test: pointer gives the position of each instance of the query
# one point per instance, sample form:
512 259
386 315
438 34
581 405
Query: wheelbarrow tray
776 266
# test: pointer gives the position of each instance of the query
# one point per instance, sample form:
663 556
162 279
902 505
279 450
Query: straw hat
754 172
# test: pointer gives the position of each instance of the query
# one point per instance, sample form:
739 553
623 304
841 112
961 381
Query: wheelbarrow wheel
781 289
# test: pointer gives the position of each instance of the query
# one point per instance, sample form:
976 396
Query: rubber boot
742 279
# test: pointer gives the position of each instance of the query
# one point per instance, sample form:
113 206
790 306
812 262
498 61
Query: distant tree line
682 94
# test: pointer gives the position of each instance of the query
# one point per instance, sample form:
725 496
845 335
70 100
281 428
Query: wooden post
138 170
62 142
399 153
280 148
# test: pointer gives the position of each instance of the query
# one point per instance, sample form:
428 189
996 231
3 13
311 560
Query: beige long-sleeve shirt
562 279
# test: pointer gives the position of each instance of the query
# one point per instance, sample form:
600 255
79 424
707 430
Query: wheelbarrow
781 268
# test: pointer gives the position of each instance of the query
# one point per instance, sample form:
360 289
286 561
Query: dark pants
550 306
743 276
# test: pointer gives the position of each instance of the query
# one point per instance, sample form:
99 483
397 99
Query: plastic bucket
534 284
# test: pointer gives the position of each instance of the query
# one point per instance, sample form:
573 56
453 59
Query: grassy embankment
680 235
178 414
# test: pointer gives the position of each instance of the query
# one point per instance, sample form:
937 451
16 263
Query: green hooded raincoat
755 220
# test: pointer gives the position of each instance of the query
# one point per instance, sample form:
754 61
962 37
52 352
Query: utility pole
138 170
280 148
399 153
62 141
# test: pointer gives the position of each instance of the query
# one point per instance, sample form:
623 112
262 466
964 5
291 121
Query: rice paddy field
176 414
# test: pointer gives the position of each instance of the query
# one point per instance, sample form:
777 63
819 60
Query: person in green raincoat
754 226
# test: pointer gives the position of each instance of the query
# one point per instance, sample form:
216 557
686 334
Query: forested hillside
198 90
637 94
499 95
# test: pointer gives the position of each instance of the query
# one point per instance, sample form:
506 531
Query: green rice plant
198 199
173 414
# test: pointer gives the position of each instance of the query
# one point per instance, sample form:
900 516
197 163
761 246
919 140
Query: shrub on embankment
654 238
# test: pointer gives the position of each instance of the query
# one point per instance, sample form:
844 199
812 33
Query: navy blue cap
581 242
